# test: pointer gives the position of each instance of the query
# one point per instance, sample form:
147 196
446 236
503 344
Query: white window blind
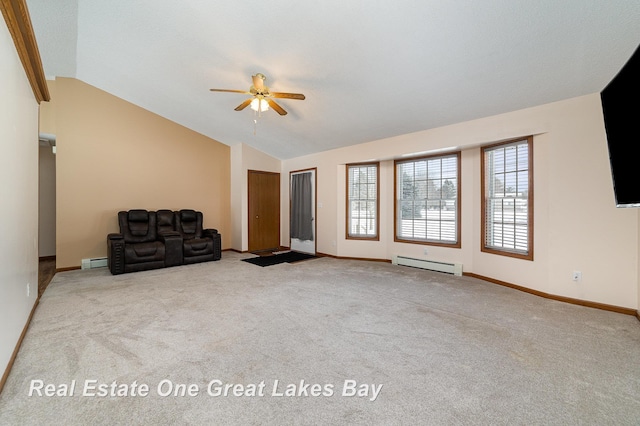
362 200
507 197
427 199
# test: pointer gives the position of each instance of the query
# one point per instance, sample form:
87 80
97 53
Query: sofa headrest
138 216
188 215
165 218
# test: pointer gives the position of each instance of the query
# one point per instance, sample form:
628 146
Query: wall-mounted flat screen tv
621 108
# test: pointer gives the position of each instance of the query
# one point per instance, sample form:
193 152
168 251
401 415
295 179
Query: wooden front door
264 210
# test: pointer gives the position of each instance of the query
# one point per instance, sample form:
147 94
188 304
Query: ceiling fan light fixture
259 105
262 98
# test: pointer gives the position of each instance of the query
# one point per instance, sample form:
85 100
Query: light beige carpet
382 344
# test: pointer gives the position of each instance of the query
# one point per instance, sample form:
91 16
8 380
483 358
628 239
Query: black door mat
289 257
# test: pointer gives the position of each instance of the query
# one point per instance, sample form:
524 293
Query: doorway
302 211
264 211
46 210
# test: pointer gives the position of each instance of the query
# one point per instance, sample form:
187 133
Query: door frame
314 182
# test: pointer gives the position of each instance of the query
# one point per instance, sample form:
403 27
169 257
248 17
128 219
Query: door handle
256 216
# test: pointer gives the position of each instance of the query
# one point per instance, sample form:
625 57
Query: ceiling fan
262 98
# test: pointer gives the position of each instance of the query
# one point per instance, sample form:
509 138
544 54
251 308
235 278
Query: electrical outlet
425 252
577 276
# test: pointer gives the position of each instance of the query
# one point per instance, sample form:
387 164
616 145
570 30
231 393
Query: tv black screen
620 100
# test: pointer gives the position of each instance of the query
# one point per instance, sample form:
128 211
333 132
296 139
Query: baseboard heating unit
96 262
449 268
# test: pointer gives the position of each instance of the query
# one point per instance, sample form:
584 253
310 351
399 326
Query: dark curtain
301 214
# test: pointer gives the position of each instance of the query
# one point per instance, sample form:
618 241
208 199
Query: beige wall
576 224
243 159
113 155
19 198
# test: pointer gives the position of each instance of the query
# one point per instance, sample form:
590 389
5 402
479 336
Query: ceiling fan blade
230 91
298 96
258 81
277 108
243 105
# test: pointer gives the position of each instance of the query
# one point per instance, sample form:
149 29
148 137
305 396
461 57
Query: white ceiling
370 69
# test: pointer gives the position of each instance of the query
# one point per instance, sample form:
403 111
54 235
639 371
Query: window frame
458 210
348 235
528 255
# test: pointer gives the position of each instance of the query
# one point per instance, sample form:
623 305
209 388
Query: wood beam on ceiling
16 15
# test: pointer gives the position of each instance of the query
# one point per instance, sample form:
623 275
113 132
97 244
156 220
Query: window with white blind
427 209
363 201
507 198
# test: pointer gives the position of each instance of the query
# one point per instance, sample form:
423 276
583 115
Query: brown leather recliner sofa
159 239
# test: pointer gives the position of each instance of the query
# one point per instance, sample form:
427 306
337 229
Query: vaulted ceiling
369 69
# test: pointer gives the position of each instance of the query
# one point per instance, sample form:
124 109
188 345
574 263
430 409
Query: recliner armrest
217 242
115 253
165 235
172 241
209 232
